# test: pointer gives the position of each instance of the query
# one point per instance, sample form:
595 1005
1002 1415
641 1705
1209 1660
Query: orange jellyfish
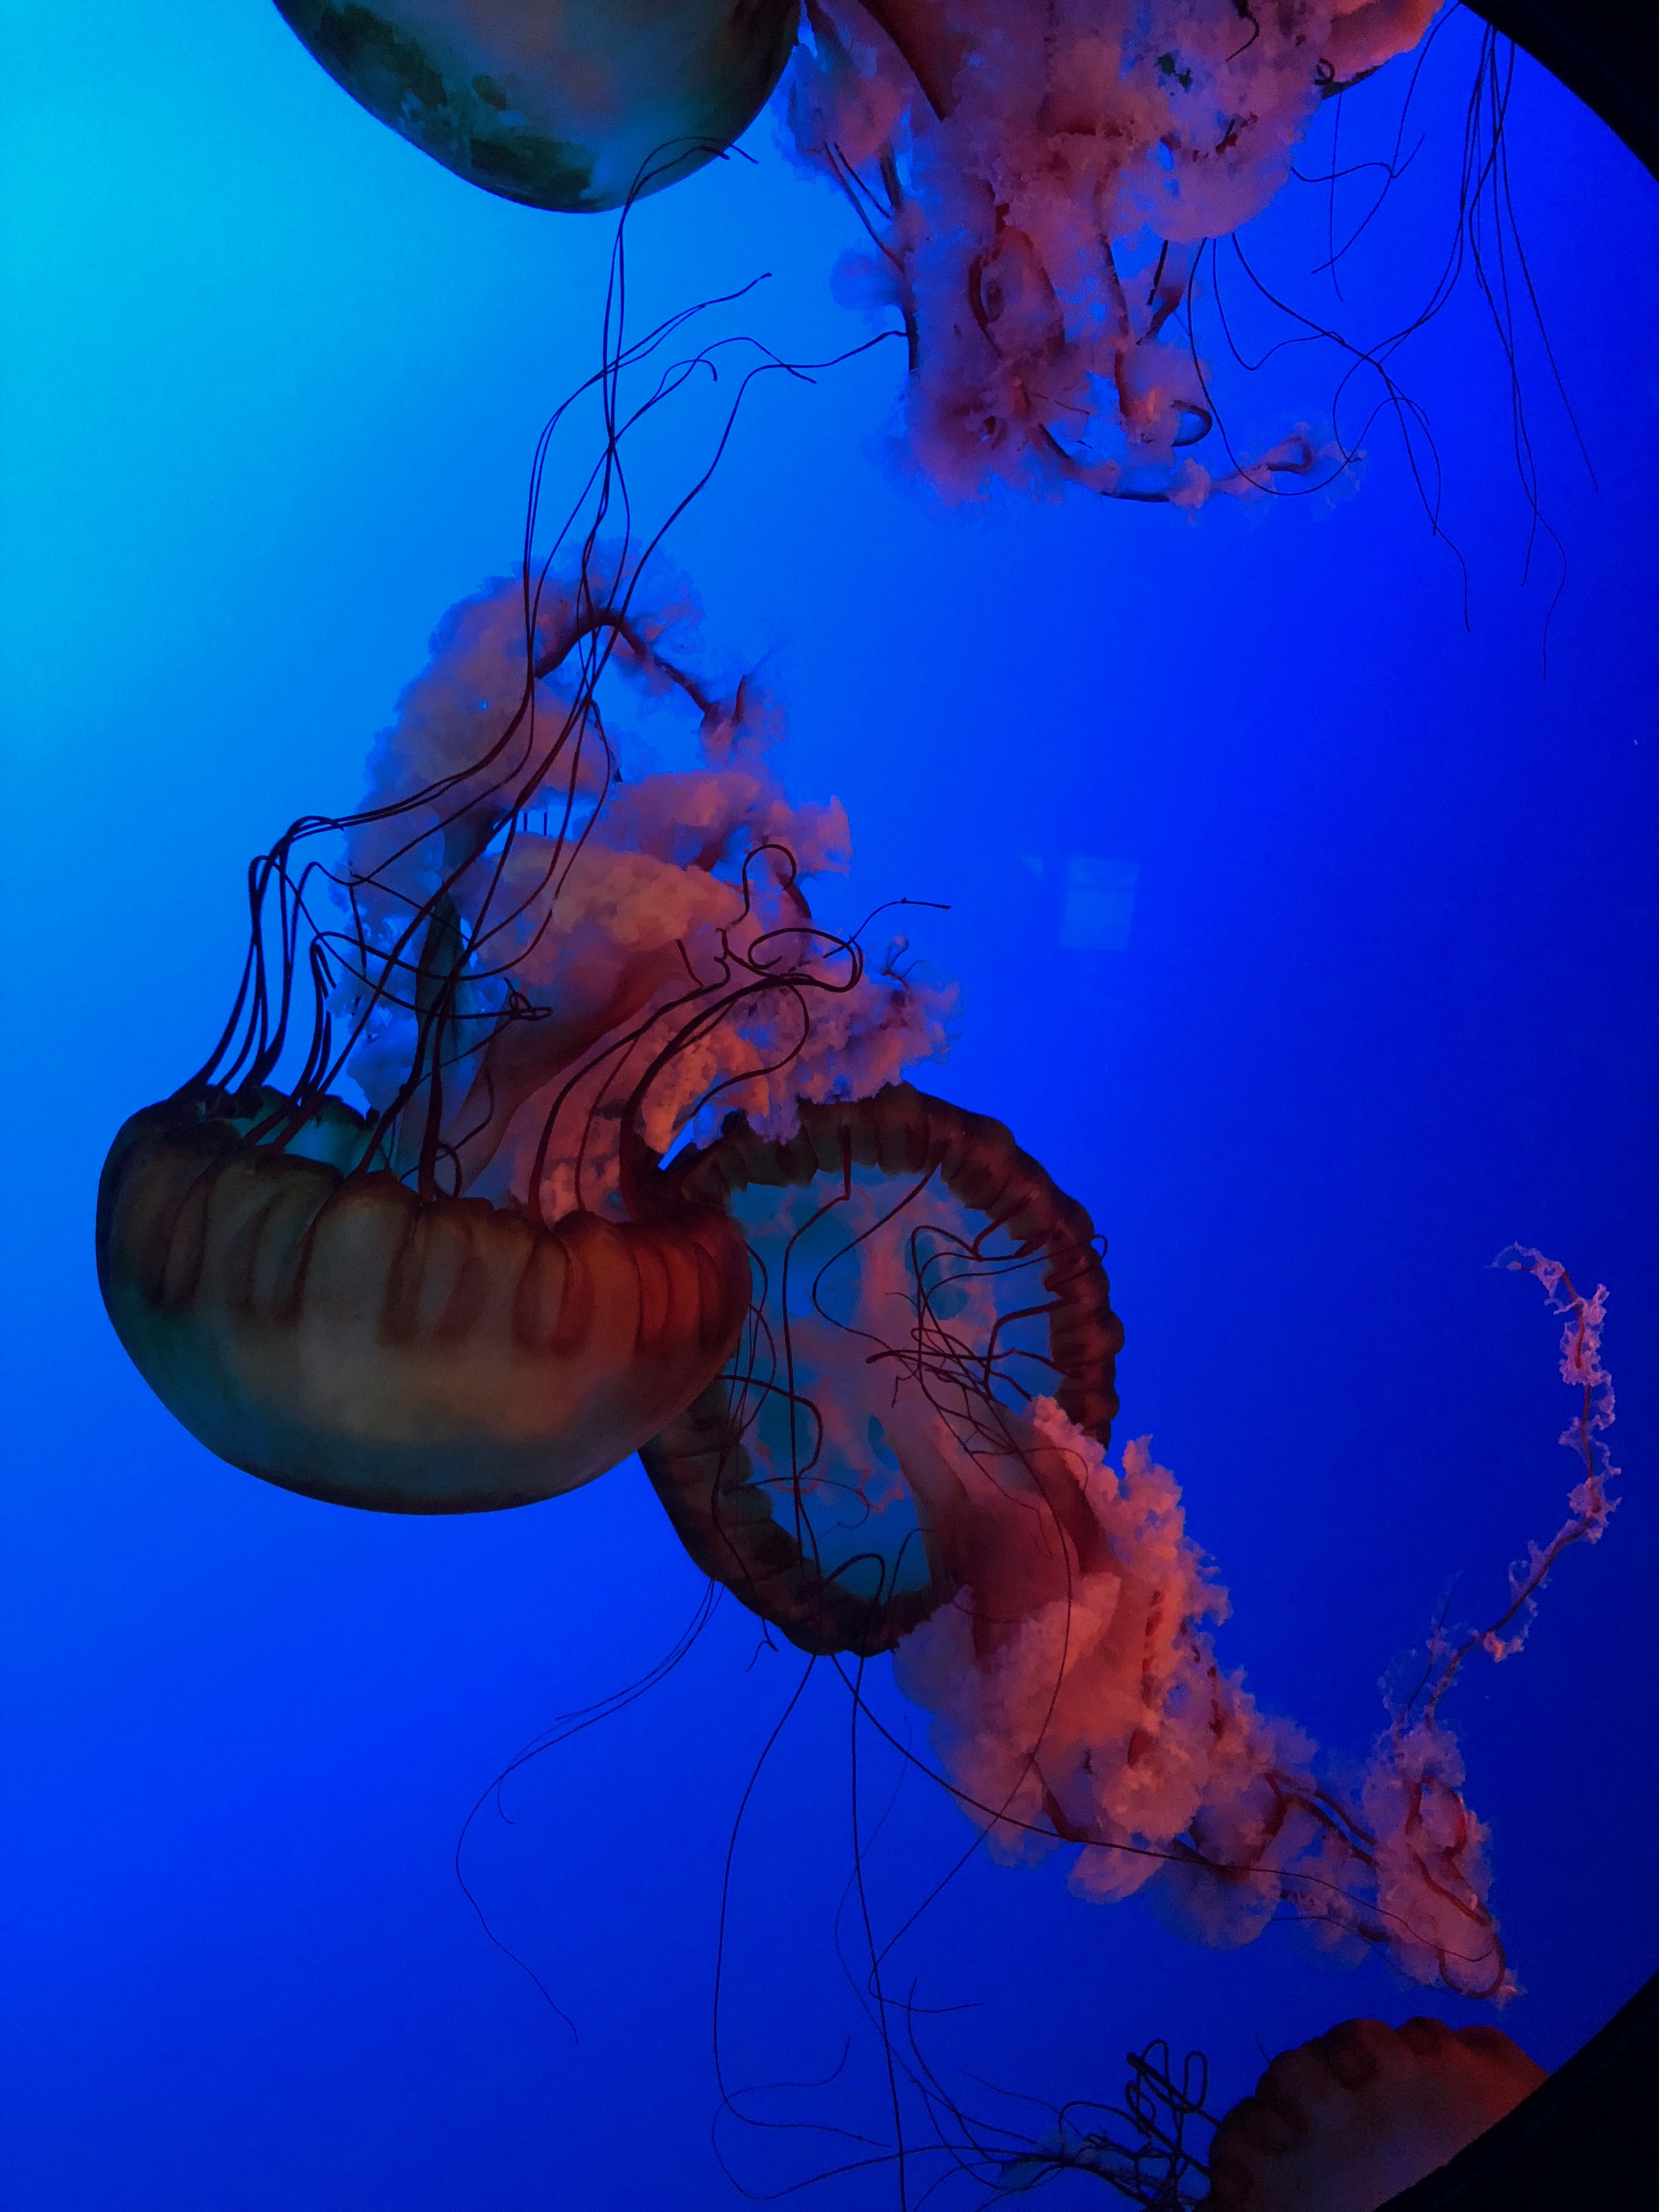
477 1287
1364 2112
920 1280
1042 187
310 1318
907 1453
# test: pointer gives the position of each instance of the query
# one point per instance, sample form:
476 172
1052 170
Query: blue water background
1384 998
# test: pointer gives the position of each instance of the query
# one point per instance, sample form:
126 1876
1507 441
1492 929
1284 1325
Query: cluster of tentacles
1038 185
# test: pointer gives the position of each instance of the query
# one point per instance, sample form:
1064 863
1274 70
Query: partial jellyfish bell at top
532 956
574 105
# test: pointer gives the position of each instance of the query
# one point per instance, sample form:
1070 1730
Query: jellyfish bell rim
699 1465
689 80
331 1332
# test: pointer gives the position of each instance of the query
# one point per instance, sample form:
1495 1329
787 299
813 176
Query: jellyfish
468 1284
919 1280
558 104
578 108
908 1453
1453 2118
1362 2113
1353 2121
1041 188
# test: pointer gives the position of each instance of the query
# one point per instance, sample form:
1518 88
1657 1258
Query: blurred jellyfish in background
1443 2121
1043 189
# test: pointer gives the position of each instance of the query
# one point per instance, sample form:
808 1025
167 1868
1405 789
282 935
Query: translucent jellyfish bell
919 1278
326 1328
572 105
